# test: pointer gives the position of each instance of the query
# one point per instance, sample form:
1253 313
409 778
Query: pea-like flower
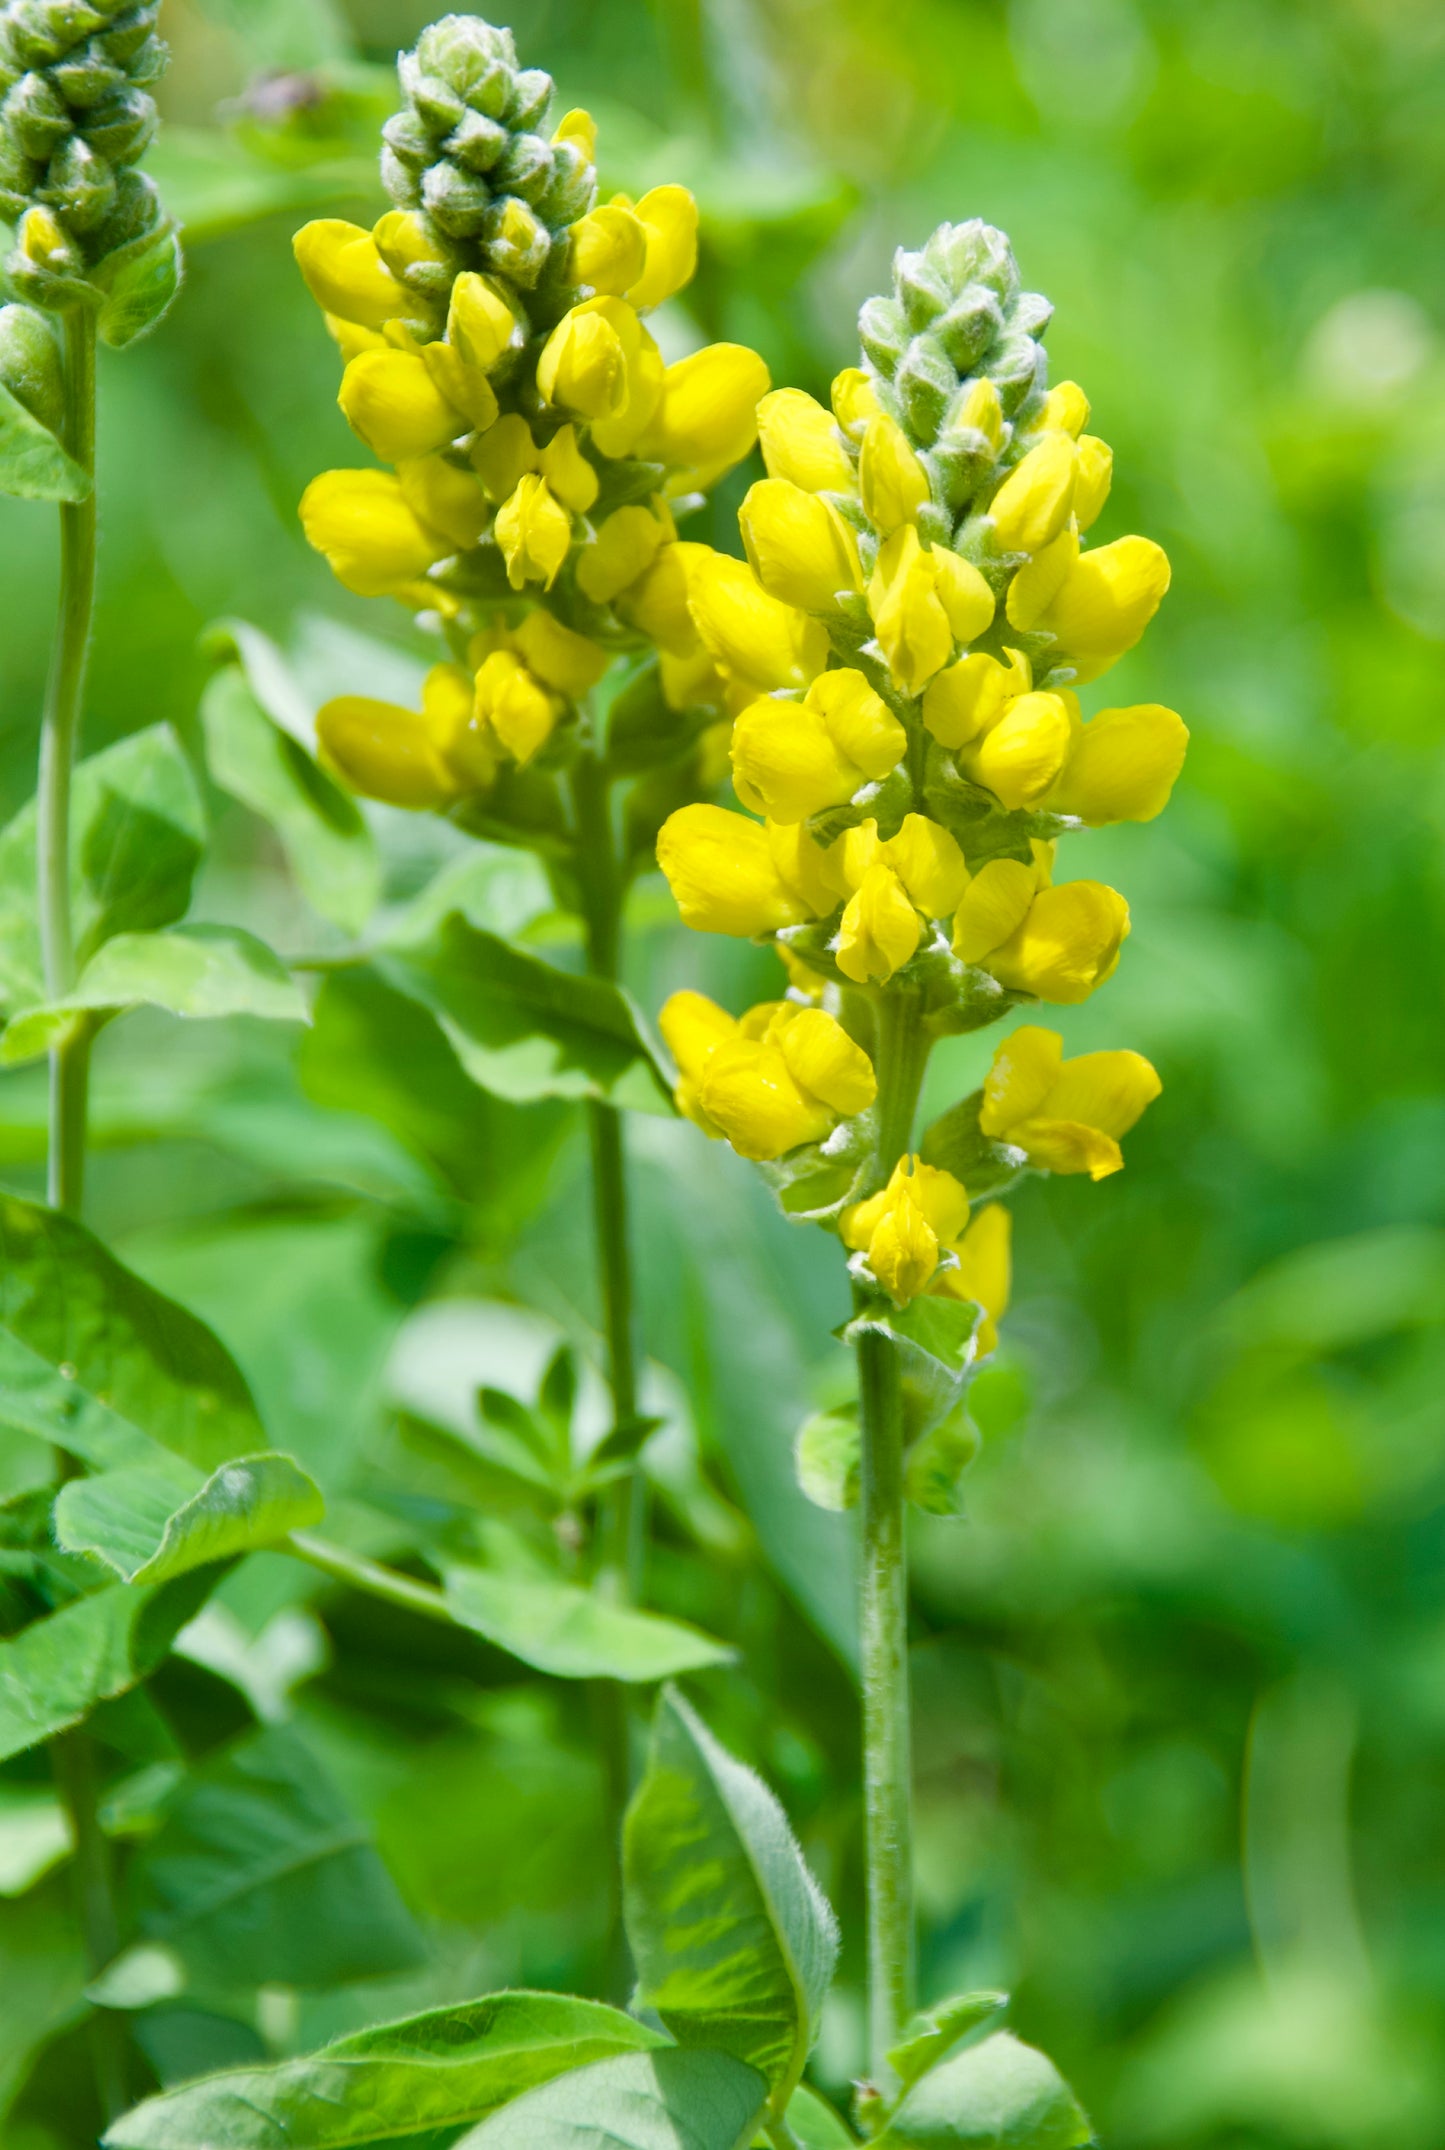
782 1076
792 759
904 1231
1065 1115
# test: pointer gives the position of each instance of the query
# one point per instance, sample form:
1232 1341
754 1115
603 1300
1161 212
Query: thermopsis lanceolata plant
892 674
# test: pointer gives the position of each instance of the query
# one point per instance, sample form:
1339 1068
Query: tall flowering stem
905 642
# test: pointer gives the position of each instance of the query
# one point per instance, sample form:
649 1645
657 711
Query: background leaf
33 465
54 1672
997 2095
574 1633
667 2100
134 1522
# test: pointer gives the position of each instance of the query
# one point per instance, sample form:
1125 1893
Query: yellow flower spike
568 472
391 402
963 700
825 1061
534 532
609 249
855 402
516 706
466 744
894 483
928 862
370 535
859 721
749 1091
668 216
346 275
480 323
984 1273
799 440
1066 409
446 499
1034 588
625 546
1122 765
983 411
558 657
785 762
814 876
580 127
384 752
1095 476
1019 757
908 617
1034 502
1067 946
707 415
503 456
583 366
1105 602
1066 1115
799 546
993 907
462 384
402 241
723 876
967 600
880 928
751 635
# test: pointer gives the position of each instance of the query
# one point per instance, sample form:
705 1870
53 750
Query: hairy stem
902 1051
60 726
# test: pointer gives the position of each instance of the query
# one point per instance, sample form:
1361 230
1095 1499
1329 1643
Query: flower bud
894 483
534 532
609 249
624 547
908 616
1032 505
559 658
515 705
514 239
384 752
583 367
1122 765
1067 945
982 411
706 417
751 635
503 456
480 323
460 202
579 127
392 403
1066 409
346 275
902 1230
722 874
446 499
800 443
30 364
404 242
800 549
1020 755
879 930
372 539
668 216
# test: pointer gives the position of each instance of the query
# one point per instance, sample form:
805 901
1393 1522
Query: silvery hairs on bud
464 157
75 119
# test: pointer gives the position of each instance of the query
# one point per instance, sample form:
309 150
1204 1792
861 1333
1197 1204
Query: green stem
901 1055
60 726
344 1566
72 1757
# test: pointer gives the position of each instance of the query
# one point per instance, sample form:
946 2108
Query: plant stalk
59 731
72 1758
900 1059
344 1566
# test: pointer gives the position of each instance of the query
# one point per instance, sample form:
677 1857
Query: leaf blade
130 1519
33 464
667 2100
572 1633
54 1672
998 2095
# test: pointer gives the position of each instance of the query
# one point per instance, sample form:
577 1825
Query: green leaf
137 829
194 971
571 1632
733 1940
525 1030
33 465
54 1672
99 1363
260 1875
828 1454
814 2123
322 830
998 2095
42 1975
935 2031
934 1342
936 1465
668 2100
139 288
445 2069
132 1520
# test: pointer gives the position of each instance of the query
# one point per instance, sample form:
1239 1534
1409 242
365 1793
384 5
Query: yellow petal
1066 408
1020 756
903 1251
993 906
625 546
609 249
879 930
707 415
982 410
1068 1146
371 537
800 443
855 402
749 1091
383 751
392 403
463 385
928 862
1105 1090
812 874
942 1198
465 742
694 1027
1095 475
534 532
911 625
964 594
504 455
799 547
668 216
859 721
1033 504
985 1270
1025 1069
894 483
1068 944
583 366
580 127
1035 587
448 500
1106 600
785 764
516 705
1122 765
568 472
749 633
827 1063
480 323
558 657
720 869
346 275
965 698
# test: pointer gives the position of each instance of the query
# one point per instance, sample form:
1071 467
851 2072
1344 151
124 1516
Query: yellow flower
350 340
657 603
1095 475
855 402
609 249
558 657
880 929
515 705
480 323
982 411
752 636
392 403
815 876
994 905
534 532
1104 603
902 1230
504 455
791 759
1065 1115
466 744
781 1077
969 696
894 483
624 547
1033 504
444 498
384 752
706 418
668 216
1066 409
579 127
1067 945
372 539
644 378
346 275
1122 765
583 366
1019 756
920 602
800 548
463 385
800 442
402 241
984 1273
723 875
567 471
928 862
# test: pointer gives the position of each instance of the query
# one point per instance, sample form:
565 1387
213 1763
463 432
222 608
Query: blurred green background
1181 1675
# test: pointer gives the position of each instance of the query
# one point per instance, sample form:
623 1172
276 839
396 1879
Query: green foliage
33 464
150 1522
56 1670
997 2095
573 1633
667 2100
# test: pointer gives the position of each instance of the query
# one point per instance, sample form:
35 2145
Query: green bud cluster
463 154
75 118
957 315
